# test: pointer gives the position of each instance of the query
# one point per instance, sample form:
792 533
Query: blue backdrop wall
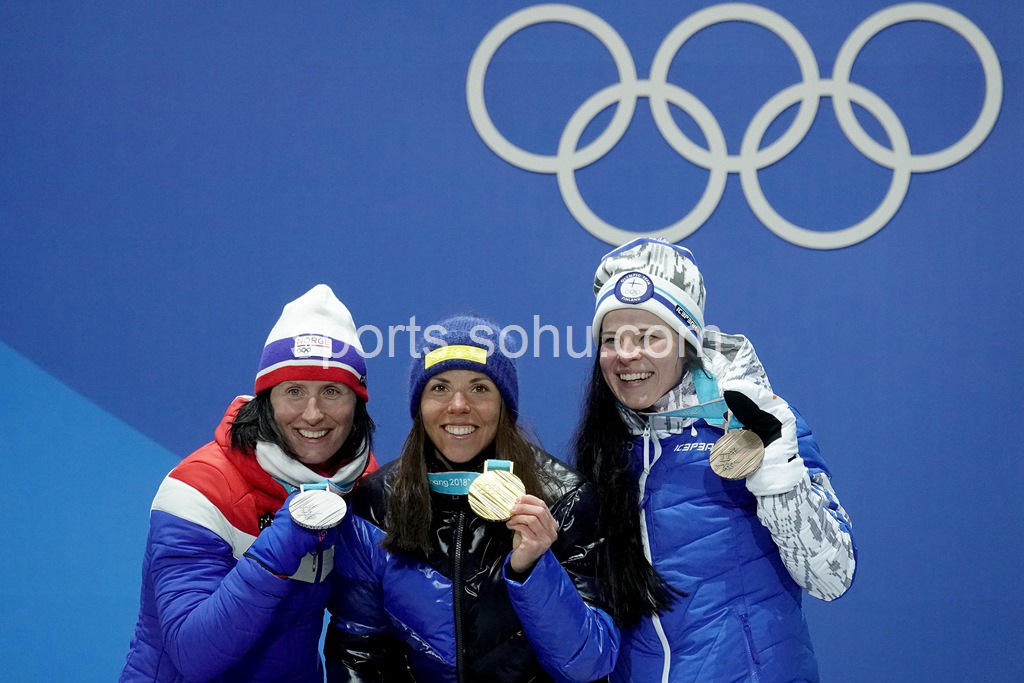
846 174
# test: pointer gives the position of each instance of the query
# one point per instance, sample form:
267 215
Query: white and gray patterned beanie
656 276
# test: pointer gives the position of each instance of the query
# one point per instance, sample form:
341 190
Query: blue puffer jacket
741 619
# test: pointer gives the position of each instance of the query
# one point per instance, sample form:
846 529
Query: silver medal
317 509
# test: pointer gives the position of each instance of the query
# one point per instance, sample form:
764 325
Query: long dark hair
631 587
408 513
255 422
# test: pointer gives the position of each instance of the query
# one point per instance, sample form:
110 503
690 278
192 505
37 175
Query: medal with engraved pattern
737 454
493 493
317 509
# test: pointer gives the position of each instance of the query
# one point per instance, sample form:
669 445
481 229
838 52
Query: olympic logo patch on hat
634 288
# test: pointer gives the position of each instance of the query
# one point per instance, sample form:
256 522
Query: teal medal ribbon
458 483
451 483
711 407
325 485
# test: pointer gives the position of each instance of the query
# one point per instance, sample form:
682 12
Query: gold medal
493 493
737 454
317 509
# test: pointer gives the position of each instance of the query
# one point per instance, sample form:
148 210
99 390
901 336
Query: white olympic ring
751 157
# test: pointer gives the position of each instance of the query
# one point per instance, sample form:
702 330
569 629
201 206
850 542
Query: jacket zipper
650 439
748 637
457 592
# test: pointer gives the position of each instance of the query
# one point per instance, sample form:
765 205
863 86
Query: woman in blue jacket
432 591
704 572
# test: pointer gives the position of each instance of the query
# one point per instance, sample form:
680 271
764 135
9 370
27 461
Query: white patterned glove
768 416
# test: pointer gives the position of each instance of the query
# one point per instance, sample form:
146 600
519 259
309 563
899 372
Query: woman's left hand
535 530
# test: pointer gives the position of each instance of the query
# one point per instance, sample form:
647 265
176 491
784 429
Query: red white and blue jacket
208 613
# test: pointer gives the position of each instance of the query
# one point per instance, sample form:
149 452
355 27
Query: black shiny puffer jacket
455 615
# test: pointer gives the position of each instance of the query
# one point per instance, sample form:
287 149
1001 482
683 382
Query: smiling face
641 357
460 411
314 417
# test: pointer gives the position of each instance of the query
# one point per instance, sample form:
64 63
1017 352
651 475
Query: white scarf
290 471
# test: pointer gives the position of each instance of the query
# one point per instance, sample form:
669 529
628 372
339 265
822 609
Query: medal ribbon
325 485
451 483
711 407
458 483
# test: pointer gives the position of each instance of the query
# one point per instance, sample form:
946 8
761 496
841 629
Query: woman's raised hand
535 530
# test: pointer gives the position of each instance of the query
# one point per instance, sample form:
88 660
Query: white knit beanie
655 276
314 339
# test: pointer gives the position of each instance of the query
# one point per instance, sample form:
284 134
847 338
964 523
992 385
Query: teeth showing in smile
312 435
459 430
635 376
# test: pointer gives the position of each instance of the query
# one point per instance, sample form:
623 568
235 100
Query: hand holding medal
299 528
534 529
498 495
766 452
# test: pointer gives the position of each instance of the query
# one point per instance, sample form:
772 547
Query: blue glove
768 416
282 545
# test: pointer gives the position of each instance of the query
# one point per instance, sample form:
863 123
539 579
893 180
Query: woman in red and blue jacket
232 588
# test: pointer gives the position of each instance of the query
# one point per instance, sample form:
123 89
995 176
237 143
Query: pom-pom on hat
314 339
656 276
467 342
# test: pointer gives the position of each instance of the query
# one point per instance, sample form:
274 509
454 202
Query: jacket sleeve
810 526
358 645
573 637
211 609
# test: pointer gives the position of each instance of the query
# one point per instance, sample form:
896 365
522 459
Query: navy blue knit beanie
467 342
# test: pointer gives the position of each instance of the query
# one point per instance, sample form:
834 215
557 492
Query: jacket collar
683 395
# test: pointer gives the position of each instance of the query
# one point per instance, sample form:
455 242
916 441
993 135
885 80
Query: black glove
768 416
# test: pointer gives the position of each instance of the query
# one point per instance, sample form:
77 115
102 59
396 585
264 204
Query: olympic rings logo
751 157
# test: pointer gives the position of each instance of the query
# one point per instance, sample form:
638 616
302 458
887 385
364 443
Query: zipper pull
647 451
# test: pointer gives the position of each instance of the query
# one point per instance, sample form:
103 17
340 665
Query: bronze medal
493 493
737 454
317 509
